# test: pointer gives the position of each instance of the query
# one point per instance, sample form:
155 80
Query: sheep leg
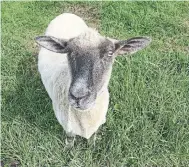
70 138
94 139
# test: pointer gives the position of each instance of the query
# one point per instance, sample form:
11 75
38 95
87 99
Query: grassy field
148 119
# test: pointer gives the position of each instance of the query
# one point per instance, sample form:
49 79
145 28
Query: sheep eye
110 53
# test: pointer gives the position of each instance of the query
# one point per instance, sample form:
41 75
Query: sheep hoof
69 142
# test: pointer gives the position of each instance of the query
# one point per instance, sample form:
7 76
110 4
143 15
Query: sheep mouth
84 104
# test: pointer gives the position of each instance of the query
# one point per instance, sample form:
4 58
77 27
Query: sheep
75 64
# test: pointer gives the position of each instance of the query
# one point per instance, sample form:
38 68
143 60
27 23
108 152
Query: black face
89 68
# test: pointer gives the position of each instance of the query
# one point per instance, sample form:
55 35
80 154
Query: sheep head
90 58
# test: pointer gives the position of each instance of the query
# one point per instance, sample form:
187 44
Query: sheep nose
79 93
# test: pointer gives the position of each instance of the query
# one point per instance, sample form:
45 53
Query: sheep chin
84 110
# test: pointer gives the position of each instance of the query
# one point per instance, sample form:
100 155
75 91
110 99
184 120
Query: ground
148 118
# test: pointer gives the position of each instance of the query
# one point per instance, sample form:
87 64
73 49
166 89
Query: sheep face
90 58
90 68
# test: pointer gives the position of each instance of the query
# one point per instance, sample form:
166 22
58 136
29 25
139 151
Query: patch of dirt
32 46
2 164
14 163
175 45
186 23
89 13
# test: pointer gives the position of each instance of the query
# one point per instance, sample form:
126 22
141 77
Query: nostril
73 96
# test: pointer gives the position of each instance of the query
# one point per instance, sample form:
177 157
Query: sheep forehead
88 39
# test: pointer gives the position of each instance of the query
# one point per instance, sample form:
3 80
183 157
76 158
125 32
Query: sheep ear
132 45
52 43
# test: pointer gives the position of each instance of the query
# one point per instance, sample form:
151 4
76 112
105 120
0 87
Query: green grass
148 119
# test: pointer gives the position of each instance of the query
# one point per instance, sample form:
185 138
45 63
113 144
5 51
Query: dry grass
90 13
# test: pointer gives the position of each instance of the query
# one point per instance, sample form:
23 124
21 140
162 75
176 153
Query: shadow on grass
29 100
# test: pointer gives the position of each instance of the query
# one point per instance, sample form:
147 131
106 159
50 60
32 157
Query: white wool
56 78
89 38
